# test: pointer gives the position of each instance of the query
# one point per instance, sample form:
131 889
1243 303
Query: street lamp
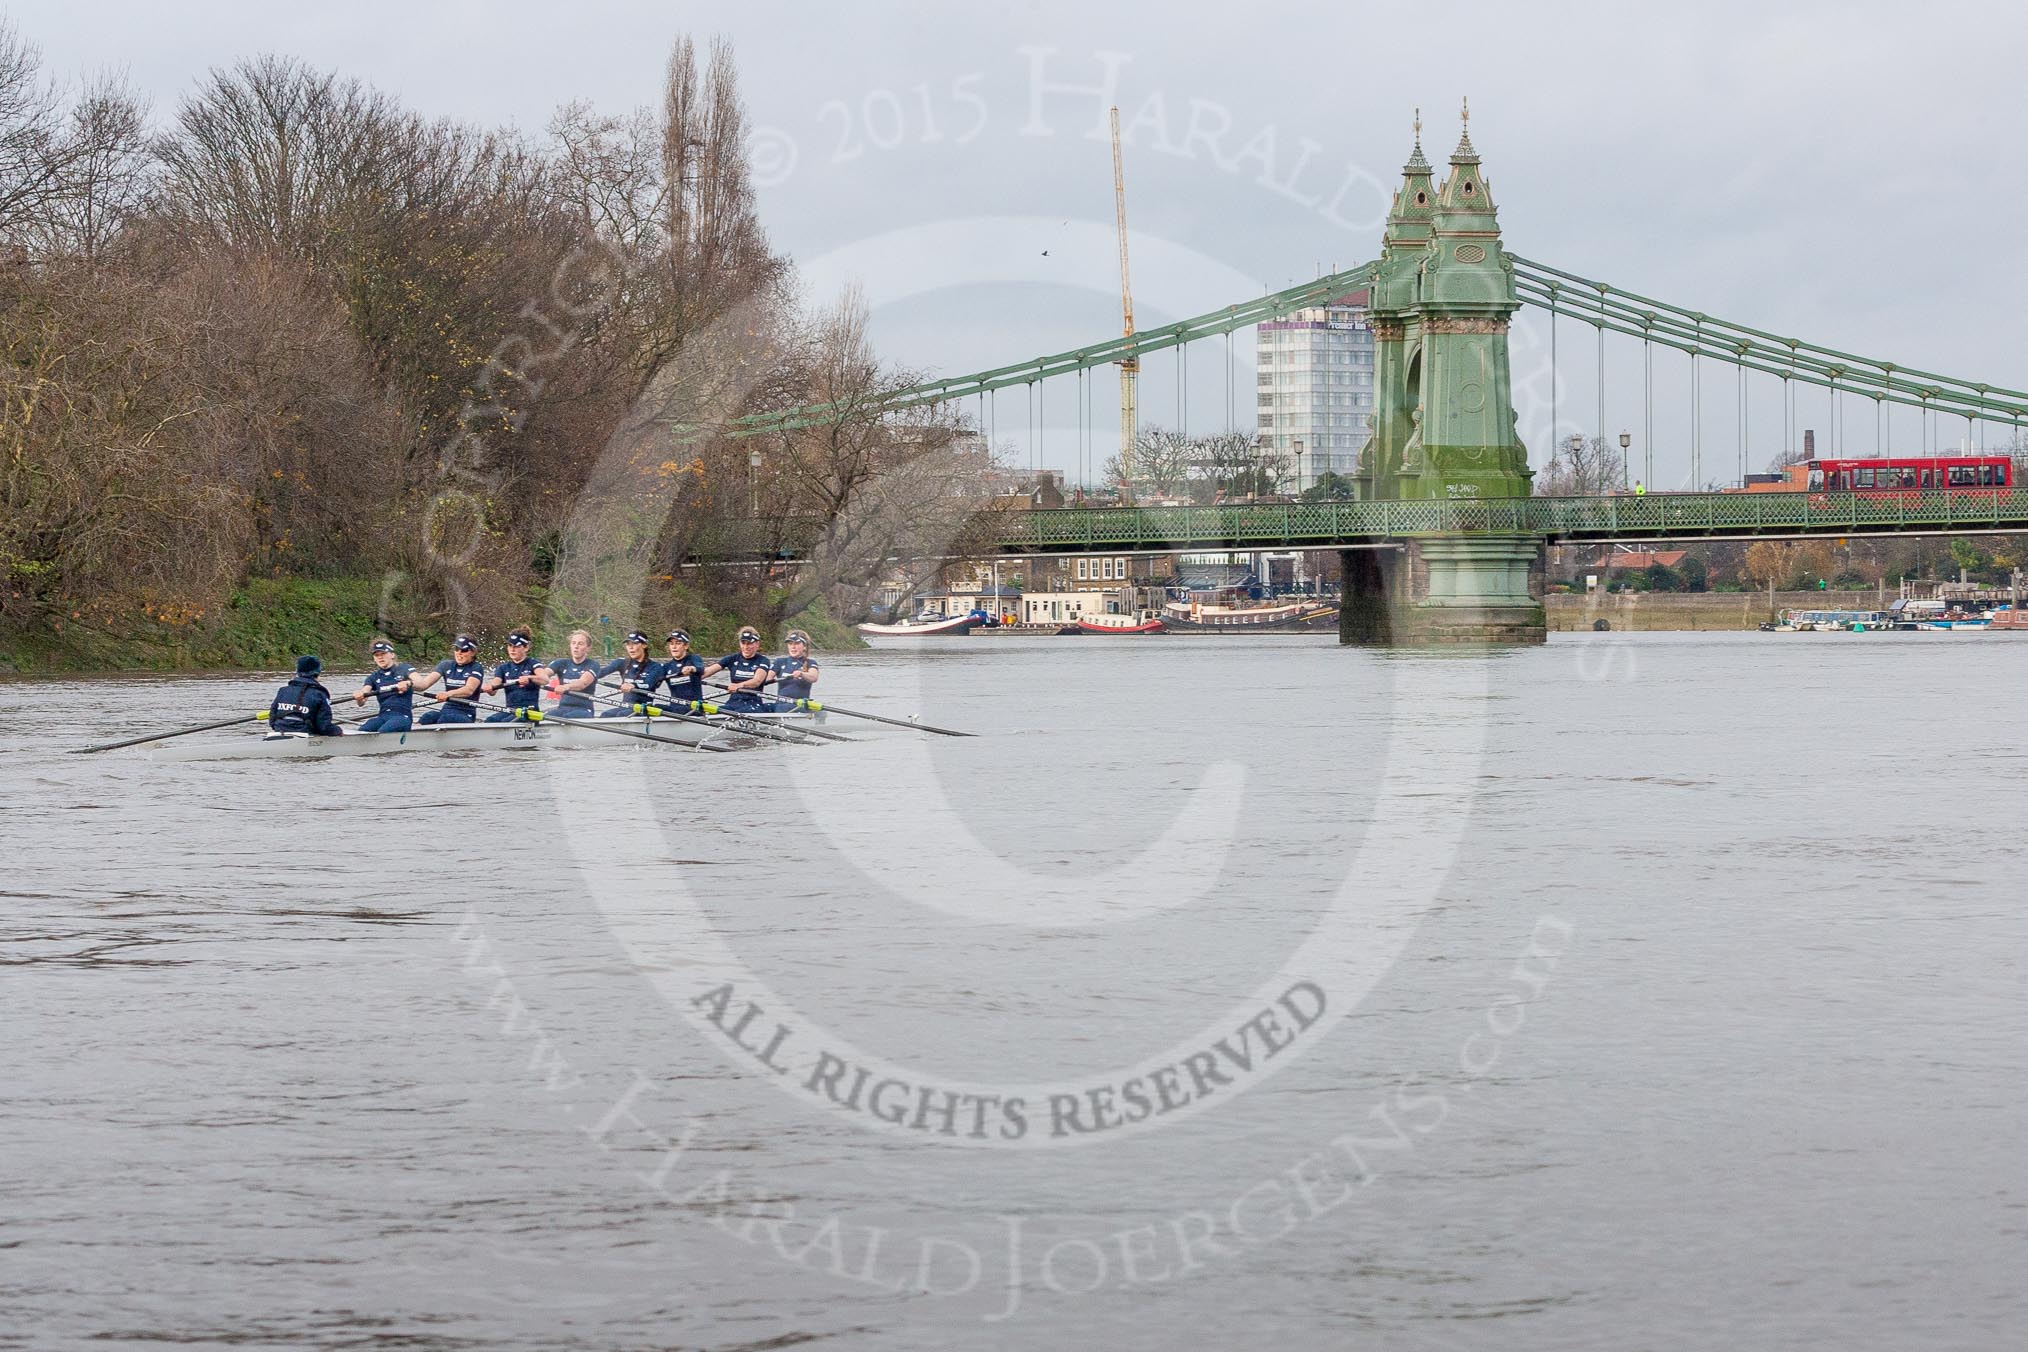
1626 461
753 481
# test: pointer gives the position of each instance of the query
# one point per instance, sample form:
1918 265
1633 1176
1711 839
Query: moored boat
924 628
1901 617
1289 617
1138 622
1939 614
1833 622
2006 617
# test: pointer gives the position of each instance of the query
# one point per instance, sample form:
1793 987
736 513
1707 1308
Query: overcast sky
1844 173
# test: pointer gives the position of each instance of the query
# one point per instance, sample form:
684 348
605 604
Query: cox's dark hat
464 643
383 646
309 665
518 636
636 636
678 636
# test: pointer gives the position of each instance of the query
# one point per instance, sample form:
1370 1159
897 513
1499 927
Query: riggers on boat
720 732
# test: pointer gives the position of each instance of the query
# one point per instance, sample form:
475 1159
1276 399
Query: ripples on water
363 1053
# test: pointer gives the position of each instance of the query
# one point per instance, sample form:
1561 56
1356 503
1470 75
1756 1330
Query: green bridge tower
1443 420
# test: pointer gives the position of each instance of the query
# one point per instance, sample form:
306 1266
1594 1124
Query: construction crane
1130 366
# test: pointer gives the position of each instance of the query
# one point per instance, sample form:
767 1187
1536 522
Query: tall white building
1316 388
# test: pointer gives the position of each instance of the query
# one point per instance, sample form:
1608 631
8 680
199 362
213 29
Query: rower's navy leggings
386 723
450 713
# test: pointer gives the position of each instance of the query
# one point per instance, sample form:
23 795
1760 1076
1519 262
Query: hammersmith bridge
1445 541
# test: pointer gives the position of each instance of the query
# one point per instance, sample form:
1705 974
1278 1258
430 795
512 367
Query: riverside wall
1656 611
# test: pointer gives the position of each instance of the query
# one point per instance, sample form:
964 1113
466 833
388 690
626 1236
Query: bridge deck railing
1612 515
1322 525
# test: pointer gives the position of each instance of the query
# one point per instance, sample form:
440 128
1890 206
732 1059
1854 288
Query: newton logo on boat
804 1026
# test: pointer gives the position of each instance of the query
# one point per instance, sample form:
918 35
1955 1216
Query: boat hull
1260 620
1138 627
732 730
954 628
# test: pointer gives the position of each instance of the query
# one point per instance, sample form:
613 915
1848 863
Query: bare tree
242 342
69 177
266 154
609 171
716 254
1164 463
166 434
1235 464
1168 463
104 179
30 129
874 483
1590 468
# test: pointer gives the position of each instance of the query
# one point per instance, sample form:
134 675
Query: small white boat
725 730
921 627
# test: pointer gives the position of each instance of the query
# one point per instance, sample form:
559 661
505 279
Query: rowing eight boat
722 730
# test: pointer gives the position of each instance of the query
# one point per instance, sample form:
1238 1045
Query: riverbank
1692 611
266 624
262 627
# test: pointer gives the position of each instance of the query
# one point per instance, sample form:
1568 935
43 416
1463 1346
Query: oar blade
165 736
897 722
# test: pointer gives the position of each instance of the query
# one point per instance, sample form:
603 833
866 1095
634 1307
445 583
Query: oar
814 707
749 725
467 701
793 736
165 736
260 717
806 707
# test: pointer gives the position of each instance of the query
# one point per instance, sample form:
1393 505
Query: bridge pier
1367 601
1467 590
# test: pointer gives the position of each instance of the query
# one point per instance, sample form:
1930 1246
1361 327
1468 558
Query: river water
1640 990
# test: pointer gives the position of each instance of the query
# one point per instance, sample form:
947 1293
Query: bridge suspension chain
1228 319
1563 294
1756 349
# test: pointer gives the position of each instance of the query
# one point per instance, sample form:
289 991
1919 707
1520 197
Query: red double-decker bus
1895 474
